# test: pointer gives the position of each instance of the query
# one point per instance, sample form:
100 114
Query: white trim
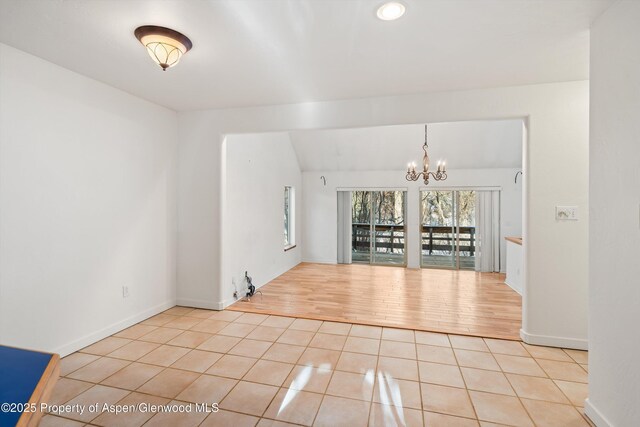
519 291
320 261
226 303
93 337
550 341
291 232
372 189
196 303
594 415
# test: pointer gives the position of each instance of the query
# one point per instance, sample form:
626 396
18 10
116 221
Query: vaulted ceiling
257 52
464 145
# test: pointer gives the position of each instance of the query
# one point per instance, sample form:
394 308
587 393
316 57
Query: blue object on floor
20 373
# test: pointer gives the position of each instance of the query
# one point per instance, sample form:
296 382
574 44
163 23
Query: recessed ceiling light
390 11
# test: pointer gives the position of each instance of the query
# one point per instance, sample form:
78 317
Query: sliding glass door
438 229
447 229
388 243
466 210
378 227
361 226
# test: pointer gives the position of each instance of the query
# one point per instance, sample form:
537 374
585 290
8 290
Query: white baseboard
320 261
93 337
594 415
551 341
506 281
196 303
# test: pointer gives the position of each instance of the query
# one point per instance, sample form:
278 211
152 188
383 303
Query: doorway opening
362 231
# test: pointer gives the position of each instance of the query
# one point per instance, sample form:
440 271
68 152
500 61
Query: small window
289 238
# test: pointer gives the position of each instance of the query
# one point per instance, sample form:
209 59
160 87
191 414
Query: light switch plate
566 213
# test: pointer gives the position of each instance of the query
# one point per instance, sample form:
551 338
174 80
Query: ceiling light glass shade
390 11
165 46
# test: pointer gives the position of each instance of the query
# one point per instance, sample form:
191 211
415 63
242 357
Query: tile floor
278 371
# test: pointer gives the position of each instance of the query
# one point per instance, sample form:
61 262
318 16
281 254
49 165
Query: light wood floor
457 302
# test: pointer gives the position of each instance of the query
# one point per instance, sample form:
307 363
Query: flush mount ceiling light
439 175
164 45
391 11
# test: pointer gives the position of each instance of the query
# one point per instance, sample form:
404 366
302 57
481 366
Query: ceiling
463 145
256 52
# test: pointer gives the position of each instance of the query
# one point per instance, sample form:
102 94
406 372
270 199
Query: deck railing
435 239
388 236
441 239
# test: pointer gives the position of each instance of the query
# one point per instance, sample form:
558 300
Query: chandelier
439 175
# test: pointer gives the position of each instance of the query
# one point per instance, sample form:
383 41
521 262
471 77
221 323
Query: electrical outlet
125 292
566 213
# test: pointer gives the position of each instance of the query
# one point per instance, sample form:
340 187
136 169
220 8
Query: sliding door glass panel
466 229
438 212
388 244
361 226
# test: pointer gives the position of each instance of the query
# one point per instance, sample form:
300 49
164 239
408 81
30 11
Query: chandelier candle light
441 173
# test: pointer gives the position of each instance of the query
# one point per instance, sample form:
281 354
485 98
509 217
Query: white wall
614 229
87 205
556 153
514 266
258 167
319 221
464 144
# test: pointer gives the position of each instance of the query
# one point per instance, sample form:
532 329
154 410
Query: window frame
289 217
